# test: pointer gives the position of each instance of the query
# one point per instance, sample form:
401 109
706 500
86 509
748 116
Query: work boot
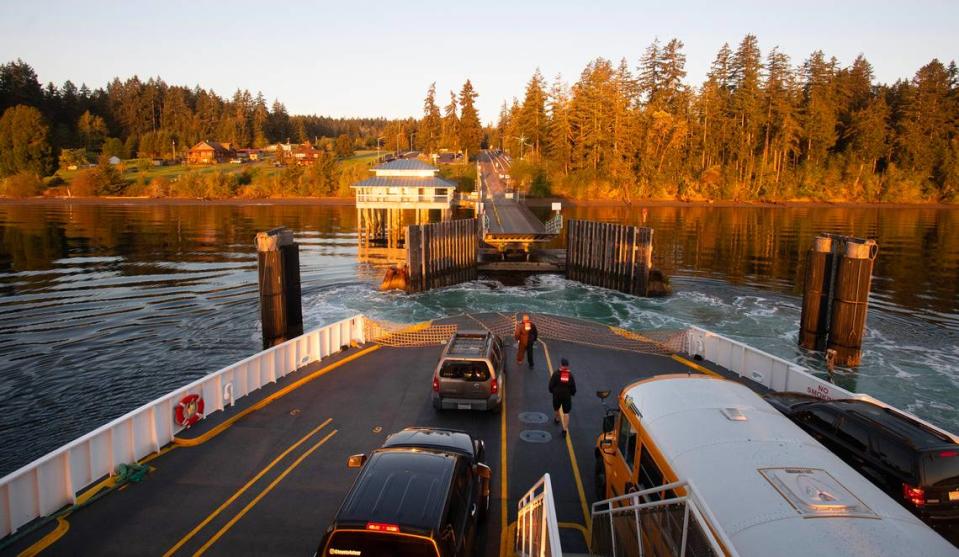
564 434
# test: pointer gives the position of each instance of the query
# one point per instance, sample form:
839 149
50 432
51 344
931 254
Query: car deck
270 482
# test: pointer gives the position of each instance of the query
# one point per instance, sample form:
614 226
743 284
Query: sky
344 58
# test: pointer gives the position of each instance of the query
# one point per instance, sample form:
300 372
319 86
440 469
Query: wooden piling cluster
441 254
614 256
278 266
836 296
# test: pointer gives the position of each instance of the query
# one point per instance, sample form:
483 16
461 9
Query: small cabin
209 152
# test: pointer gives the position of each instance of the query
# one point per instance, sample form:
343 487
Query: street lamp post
378 139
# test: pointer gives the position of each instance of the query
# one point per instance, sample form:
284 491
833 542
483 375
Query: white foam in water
901 366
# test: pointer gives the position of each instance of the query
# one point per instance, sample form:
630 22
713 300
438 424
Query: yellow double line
246 487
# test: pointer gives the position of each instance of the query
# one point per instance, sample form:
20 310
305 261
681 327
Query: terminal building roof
404 182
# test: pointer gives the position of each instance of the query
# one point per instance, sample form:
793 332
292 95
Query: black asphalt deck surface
379 393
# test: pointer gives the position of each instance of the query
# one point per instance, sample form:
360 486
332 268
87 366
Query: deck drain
533 418
535 436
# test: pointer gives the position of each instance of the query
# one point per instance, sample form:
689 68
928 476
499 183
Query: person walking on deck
563 387
526 334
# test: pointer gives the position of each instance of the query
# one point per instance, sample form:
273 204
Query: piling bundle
278 266
836 297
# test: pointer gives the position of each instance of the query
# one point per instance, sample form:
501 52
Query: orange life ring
189 410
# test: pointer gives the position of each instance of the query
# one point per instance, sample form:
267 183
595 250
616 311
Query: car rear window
941 468
467 371
361 544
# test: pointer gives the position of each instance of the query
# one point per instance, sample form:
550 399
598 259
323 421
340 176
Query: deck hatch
815 493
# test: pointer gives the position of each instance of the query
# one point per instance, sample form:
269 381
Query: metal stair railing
537 530
657 522
555 224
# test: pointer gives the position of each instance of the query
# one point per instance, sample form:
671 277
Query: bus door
621 476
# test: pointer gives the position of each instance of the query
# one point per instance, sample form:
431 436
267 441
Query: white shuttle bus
760 485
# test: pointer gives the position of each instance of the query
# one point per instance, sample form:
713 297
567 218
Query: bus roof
763 478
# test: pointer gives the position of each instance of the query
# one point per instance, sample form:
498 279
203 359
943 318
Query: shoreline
538 202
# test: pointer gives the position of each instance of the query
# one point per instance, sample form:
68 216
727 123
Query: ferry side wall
54 480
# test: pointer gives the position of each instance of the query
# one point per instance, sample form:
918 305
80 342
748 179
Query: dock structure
402 191
507 222
836 297
615 256
441 254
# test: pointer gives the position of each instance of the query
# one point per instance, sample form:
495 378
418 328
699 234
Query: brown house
209 152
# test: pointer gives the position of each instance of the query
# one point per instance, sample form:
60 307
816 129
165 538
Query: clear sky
345 58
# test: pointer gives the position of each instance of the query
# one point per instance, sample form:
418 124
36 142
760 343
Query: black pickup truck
423 493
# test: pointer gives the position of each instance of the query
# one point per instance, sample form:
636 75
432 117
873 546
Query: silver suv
470 373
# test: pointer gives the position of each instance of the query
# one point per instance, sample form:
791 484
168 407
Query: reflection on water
103 307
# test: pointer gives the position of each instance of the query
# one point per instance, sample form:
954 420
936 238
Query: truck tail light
436 385
915 495
381 527
493 386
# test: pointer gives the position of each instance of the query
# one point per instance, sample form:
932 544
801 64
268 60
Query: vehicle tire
437 405
497 409
599 477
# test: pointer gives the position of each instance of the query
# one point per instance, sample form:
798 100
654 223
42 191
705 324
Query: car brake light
493 386
381 527
436 385
946 454
915 495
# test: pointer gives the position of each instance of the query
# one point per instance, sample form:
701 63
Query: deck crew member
563 387
526 334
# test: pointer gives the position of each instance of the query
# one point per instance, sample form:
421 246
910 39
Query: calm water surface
104 307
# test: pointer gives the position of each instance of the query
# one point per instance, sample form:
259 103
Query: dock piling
836 297
851 301
278 266
614 256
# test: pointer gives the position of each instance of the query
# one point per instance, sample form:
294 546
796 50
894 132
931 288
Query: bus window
649 475
627 442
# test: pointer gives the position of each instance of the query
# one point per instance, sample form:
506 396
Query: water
104 307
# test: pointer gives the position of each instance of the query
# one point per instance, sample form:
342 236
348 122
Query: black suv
915 464
422 494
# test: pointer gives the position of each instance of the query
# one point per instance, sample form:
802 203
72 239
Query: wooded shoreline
532 202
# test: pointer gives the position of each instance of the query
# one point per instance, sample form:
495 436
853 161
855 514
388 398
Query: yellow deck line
46 541
261 495
220 428
696 366
572 456
242 490
503 487
63 525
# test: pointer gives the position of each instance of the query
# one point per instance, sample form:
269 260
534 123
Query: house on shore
209 152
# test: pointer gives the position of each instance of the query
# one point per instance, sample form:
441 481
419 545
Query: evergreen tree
24 142
450 131
470 128
532 115
431 127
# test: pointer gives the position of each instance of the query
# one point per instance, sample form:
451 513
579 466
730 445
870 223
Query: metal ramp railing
657 522
537 530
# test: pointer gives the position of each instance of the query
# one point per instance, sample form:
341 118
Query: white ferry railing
537 530
657 521
773 372
53 481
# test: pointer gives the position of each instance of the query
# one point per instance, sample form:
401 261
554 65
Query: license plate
954 495
463 406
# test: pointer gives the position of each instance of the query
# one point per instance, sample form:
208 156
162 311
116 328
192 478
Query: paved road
506 216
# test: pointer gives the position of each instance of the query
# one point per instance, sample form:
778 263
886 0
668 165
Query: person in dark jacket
526 334
563 387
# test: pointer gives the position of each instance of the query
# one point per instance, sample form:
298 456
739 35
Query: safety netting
550 327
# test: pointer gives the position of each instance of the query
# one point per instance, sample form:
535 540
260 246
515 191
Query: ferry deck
267 475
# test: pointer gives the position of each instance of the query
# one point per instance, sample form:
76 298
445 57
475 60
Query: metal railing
403 198
657 521
54 480
774 372
555 224
537 530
